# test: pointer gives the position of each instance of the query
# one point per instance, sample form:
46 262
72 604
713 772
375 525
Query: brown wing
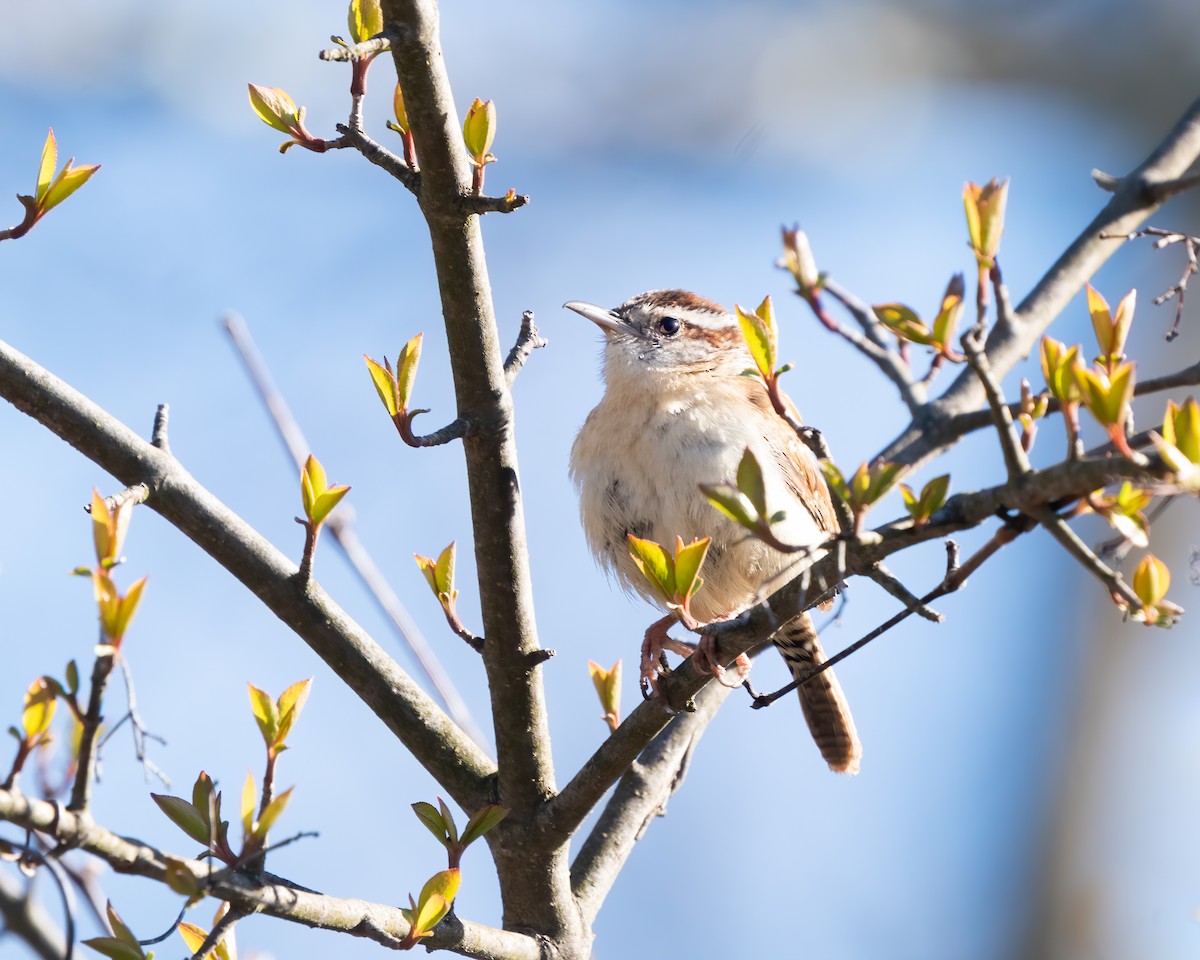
802 471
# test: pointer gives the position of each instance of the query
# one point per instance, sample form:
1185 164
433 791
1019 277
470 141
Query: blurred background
1032 766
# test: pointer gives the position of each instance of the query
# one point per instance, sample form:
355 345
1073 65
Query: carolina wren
676 413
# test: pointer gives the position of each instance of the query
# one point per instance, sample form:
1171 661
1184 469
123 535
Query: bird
677 412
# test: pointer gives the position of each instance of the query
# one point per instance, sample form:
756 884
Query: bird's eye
669 326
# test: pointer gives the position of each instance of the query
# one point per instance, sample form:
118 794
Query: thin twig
1015 459
380 156
886 579
872 344
22 919
85 772
1083 553
955 579
342 530
1179 291
220 929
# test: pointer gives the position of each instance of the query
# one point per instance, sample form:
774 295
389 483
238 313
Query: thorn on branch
528 340
158 434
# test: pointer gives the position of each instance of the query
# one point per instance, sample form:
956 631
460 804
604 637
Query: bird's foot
706 662
654 646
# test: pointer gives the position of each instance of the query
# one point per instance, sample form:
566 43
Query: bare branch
640 796
873 345
886 579
379 155
448 753
1083 553
1015 459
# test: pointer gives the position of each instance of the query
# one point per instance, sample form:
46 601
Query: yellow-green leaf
399 110
758 330
249 802
428 814
429 914
265 713
486 818
291 702
733 503
448 820
750 481
46 167
365 19
406 369
479 130
428 568
444 883
114 949
948 315
40 703
904 322
185 816
444 571
655 563
69 180
1058 367
274 108
273 812
1181 428
193 936
1151 580
385 385
985 217
688 561
327 501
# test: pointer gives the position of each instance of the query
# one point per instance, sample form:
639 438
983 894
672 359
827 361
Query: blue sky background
1024 777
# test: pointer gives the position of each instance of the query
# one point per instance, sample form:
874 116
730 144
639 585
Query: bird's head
667 332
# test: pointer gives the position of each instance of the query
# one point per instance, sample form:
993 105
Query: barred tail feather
821 698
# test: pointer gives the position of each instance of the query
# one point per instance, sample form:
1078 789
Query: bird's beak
606 320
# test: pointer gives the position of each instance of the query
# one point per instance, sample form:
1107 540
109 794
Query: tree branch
1063 482
534 877
641 795
265 893
873 345
448 753
1136 197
